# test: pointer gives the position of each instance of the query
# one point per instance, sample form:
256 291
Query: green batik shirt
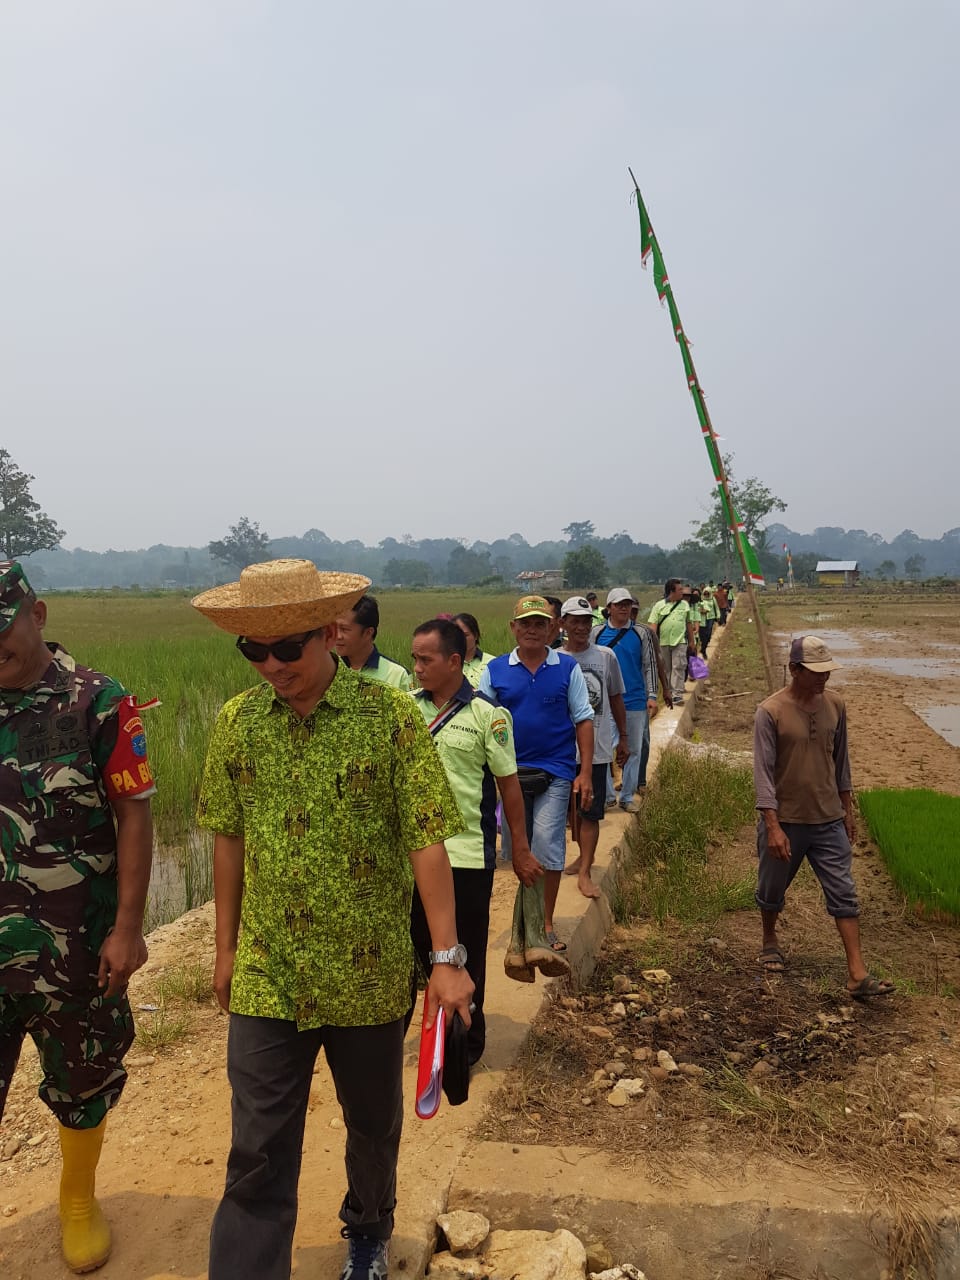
58 877
329 807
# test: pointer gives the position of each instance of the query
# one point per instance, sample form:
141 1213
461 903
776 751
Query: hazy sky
372 267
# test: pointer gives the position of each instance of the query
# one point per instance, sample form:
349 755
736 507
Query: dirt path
162 1170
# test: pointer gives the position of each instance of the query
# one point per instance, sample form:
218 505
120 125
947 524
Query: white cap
618 595
579 606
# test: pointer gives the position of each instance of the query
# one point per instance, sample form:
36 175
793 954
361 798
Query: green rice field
159 646
916 832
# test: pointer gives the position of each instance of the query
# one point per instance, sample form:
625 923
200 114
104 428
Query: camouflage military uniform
58 888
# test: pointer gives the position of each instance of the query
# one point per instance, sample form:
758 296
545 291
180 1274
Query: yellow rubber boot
84 1230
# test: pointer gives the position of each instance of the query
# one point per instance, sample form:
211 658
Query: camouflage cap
14 590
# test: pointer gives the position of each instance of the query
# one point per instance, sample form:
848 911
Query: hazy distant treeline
437 561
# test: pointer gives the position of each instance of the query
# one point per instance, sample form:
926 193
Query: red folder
430 1067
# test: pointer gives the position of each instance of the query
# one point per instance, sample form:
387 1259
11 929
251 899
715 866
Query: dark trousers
472 890
706 631
644 756
270 1065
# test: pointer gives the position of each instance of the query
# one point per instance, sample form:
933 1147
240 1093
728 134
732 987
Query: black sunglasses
289 649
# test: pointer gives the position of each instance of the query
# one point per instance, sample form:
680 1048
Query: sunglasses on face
289 649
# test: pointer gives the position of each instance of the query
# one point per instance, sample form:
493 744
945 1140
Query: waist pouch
533 782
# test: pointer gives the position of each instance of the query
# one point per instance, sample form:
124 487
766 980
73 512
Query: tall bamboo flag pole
748 557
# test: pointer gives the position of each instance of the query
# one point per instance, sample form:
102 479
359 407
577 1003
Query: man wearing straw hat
76 842
322 789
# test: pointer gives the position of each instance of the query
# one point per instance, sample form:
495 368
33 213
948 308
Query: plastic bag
697 669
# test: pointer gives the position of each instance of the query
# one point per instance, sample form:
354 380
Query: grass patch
187 983
694 804
159 1029
916 832
175 995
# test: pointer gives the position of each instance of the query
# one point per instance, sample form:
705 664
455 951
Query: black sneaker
366 1259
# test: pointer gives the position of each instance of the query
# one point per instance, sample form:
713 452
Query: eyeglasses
289 649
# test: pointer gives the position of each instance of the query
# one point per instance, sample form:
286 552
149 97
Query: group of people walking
354 824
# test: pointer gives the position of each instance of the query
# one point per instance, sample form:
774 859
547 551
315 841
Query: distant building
837 573
540 581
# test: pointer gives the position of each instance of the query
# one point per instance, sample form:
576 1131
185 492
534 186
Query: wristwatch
456 955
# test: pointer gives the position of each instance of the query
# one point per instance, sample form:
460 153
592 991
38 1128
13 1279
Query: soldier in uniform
75 849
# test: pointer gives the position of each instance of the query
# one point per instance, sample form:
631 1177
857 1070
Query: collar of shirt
341 693
373 661
55 679
466 693
552 658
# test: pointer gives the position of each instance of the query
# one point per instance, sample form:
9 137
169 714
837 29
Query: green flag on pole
648 246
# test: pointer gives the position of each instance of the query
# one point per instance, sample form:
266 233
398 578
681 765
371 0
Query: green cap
532 607
15 589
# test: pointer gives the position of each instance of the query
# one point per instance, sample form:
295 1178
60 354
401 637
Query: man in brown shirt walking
801 770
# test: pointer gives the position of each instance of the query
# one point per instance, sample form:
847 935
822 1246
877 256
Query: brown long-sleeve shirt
800 758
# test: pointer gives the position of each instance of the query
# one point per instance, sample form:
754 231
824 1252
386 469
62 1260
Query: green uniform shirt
673 629
329 807
696 615
475 668
476 746
377 667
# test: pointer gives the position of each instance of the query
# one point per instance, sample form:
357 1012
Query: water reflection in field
847 646
944 720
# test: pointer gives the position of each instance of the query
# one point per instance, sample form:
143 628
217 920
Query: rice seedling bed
916 833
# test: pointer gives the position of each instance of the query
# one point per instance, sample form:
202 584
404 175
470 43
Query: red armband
128 770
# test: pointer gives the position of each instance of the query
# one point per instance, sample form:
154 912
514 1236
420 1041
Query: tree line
584 557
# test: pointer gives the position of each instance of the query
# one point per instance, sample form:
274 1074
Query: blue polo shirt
545 705
629 653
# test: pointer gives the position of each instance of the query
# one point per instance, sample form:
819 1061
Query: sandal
772 960
871 986
555 943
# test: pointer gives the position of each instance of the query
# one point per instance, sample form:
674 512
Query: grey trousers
270 1066
675 662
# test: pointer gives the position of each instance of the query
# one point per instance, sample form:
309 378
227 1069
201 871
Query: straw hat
280 598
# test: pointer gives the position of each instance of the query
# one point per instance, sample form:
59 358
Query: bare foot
573 869
587 887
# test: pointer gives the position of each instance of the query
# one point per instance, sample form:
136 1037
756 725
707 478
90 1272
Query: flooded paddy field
900 678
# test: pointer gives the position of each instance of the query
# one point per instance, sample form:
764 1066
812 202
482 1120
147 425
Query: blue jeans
636 728
546 826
